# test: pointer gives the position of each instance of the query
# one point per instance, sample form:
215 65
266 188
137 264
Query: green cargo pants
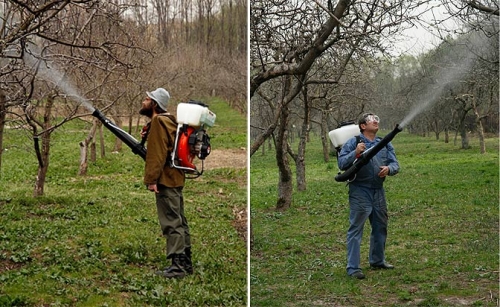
173 223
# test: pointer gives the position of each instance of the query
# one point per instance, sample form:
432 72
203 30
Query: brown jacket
160 146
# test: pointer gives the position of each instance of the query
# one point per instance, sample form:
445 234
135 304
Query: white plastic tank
340 135
194 115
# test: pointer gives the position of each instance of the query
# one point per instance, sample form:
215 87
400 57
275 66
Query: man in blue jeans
367 195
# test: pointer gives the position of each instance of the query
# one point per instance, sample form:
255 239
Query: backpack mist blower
191 138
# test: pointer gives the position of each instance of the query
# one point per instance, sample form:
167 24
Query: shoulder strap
169 116
174 120
358 139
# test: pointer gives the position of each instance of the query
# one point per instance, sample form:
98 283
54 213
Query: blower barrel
126 138
367 155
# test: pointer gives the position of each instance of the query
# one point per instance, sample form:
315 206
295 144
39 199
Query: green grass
227 122
95 240
443 232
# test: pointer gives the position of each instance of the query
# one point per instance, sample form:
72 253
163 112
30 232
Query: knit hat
161 96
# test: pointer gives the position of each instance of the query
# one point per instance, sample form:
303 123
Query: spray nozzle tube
367 155
126 138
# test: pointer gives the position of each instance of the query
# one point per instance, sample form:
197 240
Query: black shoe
188 265
177 269
358 275
384 265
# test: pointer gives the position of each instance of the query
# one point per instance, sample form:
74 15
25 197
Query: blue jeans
366 203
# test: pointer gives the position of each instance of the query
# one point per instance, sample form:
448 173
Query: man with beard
167 182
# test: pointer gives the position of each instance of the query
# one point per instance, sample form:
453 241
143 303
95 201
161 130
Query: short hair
362 120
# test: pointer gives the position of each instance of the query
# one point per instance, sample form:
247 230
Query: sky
423 36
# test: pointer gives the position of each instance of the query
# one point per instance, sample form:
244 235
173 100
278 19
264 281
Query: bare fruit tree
55 49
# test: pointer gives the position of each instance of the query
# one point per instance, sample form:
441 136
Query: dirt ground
231 158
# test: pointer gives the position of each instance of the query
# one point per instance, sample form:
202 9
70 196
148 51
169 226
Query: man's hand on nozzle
360 148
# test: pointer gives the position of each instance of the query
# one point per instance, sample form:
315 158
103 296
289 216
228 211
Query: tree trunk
101 142
130 123
463 109
83 158
3 113
285 184
84 145
436 129
325 142
93 152
480 129
463 130
138 123
479 126
45 152
464 137
118 142
40 178
300 164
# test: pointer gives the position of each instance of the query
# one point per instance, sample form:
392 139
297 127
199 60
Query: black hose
366 156
129 140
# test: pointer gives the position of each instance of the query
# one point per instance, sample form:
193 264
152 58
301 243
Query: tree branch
313 52
483 8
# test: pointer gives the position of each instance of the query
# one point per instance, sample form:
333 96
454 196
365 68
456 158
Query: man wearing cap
367 195
167 182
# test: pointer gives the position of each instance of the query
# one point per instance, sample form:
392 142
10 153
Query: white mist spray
449 75
52 74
